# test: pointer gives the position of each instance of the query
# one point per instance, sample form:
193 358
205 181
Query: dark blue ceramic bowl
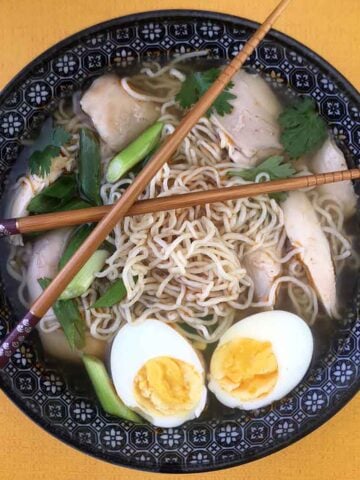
55 400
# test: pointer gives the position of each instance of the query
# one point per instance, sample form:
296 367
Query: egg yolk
167 386
245 368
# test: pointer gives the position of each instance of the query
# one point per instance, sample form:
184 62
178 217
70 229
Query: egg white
292 343
137 343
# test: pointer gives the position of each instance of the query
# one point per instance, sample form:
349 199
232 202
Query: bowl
54 399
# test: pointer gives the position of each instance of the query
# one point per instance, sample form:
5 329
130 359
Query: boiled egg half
157 373
260 359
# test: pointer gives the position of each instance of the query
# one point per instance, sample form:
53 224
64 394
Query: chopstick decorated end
9 227
119 210
16 337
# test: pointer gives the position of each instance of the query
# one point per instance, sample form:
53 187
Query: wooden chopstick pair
50 221
118 211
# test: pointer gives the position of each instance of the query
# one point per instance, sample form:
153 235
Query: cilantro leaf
41 158
189 92
197 83
60 136
303 130
275 167
40 161
222 104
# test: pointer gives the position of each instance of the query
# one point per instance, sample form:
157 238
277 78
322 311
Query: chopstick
119 209
50 221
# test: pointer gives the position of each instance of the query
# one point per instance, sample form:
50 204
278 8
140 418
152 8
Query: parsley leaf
197 83
303 130
40 160
275 167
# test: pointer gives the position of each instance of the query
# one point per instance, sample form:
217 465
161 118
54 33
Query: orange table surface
28 27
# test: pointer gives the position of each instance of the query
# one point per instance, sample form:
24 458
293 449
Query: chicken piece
118 117
28 187
263 270
304 230
330 158
252 125
44 260
56 345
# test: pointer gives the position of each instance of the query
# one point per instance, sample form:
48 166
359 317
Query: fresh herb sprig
197 83
47 146
303 130
275 167
69 191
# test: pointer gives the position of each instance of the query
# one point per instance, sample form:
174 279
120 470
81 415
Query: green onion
54 196
114 294
76 240
139 166
84 278
90 167
105 390
134 153
74 204
69 317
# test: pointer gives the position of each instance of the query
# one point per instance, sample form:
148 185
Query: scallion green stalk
84 278
134 153
105 390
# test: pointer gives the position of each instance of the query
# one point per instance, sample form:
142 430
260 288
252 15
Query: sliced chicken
28 187
330 158
118 117
263 270
252 125
44 260
304 230
56 345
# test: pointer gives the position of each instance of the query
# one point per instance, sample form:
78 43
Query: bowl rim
181 12
195 14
